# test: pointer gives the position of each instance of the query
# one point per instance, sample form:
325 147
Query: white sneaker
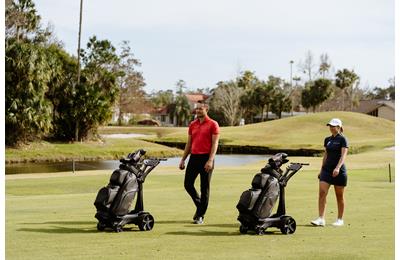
338 223
199 220
318 222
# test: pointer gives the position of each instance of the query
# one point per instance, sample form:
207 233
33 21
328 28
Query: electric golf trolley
113 202
256 204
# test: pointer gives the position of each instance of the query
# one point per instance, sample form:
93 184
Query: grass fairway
51 216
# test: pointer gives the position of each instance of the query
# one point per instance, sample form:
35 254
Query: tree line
249 98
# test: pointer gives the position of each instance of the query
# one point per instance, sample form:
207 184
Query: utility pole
79 67
291 79
291 87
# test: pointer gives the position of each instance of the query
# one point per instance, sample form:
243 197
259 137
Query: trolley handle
300 163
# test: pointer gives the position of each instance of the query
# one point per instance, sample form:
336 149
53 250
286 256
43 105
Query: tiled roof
367 106
194 98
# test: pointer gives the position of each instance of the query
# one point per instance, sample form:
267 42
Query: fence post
73 165
390 174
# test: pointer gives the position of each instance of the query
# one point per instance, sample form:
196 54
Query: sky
204 42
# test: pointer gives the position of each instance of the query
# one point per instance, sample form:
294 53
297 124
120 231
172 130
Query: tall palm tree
346 79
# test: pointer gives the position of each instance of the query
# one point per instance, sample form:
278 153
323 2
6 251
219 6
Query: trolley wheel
259 230
101 226
243 229
117 228
146 222
288 225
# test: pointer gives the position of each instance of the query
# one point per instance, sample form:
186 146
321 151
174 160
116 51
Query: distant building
115 115
194 98
378 108
164 117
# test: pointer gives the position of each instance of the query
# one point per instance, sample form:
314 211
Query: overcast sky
203 42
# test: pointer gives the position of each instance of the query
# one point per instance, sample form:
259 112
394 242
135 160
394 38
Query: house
164 117
379 108
195 98
115 115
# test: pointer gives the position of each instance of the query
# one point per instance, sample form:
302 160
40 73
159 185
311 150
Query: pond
220 160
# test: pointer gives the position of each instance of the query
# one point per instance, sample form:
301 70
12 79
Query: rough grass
51 216
308 131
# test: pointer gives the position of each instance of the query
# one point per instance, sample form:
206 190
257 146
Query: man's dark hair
203 104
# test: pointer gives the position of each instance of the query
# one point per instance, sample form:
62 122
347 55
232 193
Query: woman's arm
341 161
324 159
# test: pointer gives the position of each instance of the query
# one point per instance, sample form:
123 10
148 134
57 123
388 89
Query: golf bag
256 204
114 201
261 198
117 197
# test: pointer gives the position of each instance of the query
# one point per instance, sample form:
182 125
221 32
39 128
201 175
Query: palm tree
346 79
325 65
182 107
79 65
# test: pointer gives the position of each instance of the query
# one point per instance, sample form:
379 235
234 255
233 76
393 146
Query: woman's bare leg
339 191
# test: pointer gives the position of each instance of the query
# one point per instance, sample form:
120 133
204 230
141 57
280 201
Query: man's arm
214 147
186 152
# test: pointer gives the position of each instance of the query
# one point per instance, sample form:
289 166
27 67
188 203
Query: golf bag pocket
268 205
259 180
105 197
125 196
118 177
123 205
247 200
267 202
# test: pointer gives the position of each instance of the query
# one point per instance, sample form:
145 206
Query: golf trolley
255 205
113 202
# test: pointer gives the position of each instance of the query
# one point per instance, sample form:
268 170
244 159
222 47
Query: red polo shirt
202 135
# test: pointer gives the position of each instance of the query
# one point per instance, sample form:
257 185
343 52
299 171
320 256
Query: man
202 146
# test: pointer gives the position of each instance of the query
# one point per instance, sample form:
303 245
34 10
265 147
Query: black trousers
194 168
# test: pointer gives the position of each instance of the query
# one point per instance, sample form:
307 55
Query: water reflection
220 160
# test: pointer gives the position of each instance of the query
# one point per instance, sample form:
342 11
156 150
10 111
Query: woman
333 172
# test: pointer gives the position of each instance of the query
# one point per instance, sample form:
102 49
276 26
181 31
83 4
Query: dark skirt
339 180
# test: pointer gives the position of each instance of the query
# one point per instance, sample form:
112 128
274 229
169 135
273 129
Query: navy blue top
333 145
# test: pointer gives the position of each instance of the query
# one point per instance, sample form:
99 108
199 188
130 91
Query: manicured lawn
51 216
